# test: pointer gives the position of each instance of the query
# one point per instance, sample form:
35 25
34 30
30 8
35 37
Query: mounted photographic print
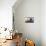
29 19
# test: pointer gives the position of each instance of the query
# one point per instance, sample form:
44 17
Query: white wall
29 8
43 22
6 18
6 13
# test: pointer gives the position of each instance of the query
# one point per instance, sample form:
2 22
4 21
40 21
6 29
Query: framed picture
29 19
